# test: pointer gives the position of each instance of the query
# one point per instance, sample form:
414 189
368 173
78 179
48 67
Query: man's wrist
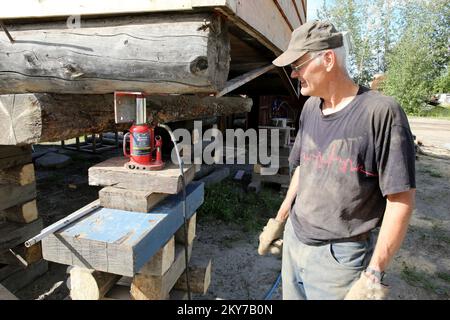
375 274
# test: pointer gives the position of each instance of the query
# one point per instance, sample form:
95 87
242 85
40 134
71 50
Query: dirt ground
420 270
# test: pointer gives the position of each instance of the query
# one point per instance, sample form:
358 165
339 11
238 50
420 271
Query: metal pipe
183 181
63 222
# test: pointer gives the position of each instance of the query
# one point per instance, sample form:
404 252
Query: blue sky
312 7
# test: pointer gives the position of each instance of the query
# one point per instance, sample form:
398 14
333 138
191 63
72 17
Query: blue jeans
324 272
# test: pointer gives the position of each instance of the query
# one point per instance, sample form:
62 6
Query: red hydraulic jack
143 142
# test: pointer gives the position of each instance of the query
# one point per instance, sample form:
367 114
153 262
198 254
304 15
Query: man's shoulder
382 107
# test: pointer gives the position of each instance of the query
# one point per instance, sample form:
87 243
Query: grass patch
421 279
228 201
444 276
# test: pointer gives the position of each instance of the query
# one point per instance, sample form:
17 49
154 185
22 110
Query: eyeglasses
299 67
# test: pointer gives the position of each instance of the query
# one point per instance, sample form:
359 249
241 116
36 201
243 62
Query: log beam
155 54
35 118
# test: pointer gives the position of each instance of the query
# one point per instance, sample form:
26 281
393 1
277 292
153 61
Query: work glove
366 289
270 240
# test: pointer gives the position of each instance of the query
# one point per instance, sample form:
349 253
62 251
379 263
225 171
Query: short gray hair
341 57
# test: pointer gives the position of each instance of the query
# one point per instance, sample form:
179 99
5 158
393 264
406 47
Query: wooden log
21 213
161 261
191 226
129 200
146 287
18 175
34 118
88 284
23 277
117 241
11 156
13 234
199 275
29 255
113 173
154 54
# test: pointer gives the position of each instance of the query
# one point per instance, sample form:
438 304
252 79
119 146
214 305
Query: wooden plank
21 213
18 175
33 118
191 227
146 287
199 275
5 294
264 17
13 195
11 156
88 284
129 200
283 13
24 277
118 241
243 79
113 173
28 255
154 54
161 261
13 234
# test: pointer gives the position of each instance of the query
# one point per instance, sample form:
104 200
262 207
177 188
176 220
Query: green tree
418 63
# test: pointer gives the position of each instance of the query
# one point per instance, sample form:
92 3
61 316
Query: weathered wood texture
113 173
145 287
117 241
11 195
155 54
22 213
29 255
129 200
199 275
22 277
33 118
88 284
11 156
13 234
161 261
191 227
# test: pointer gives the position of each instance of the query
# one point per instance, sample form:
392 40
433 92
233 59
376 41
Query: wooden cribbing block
146 287
129 200
29 255
161 261
23 277
11 156
88 284
113 173
5 294
191 224
12 195
118 241
18 175
199 275
13 234
22 213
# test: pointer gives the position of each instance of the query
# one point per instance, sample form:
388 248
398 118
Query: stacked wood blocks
19 219
133 246
262 174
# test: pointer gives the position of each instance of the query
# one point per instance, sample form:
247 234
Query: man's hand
270 240
367 288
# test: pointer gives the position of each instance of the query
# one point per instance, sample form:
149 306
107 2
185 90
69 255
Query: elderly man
355 176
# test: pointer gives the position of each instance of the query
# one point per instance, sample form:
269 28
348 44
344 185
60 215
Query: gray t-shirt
349 161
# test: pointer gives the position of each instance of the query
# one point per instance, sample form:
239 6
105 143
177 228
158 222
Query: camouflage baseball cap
311 36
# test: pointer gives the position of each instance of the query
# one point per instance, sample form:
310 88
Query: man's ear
329 59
